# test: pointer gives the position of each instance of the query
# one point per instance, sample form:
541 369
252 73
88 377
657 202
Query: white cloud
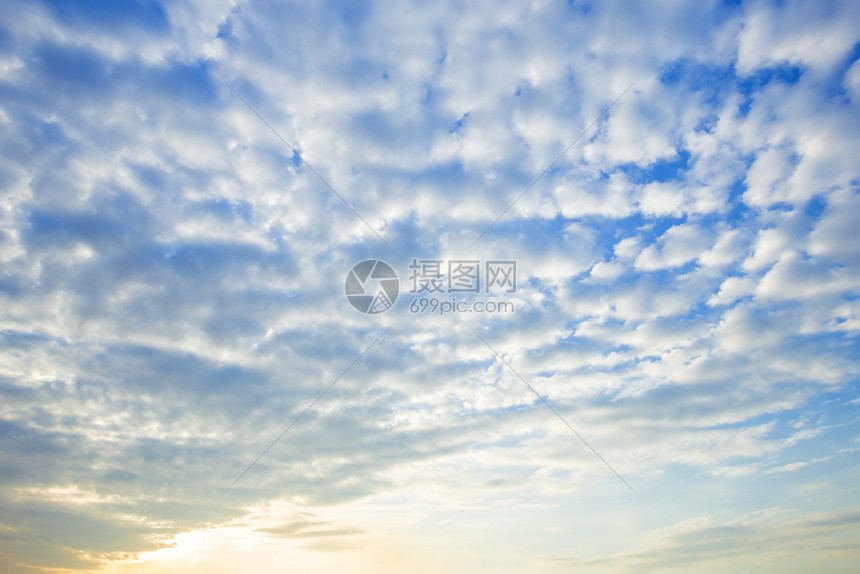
795 278
815 35
606 270
733 289
678 245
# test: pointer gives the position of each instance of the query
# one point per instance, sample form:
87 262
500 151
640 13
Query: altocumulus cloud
172 274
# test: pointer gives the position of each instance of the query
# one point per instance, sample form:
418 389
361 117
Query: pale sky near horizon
173 274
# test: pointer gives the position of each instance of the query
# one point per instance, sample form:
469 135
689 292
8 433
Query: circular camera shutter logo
372 286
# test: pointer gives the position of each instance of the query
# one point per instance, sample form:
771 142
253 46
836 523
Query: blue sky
171 287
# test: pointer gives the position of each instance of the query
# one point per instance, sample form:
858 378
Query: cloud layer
171 289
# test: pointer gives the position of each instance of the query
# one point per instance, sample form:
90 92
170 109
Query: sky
668 381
